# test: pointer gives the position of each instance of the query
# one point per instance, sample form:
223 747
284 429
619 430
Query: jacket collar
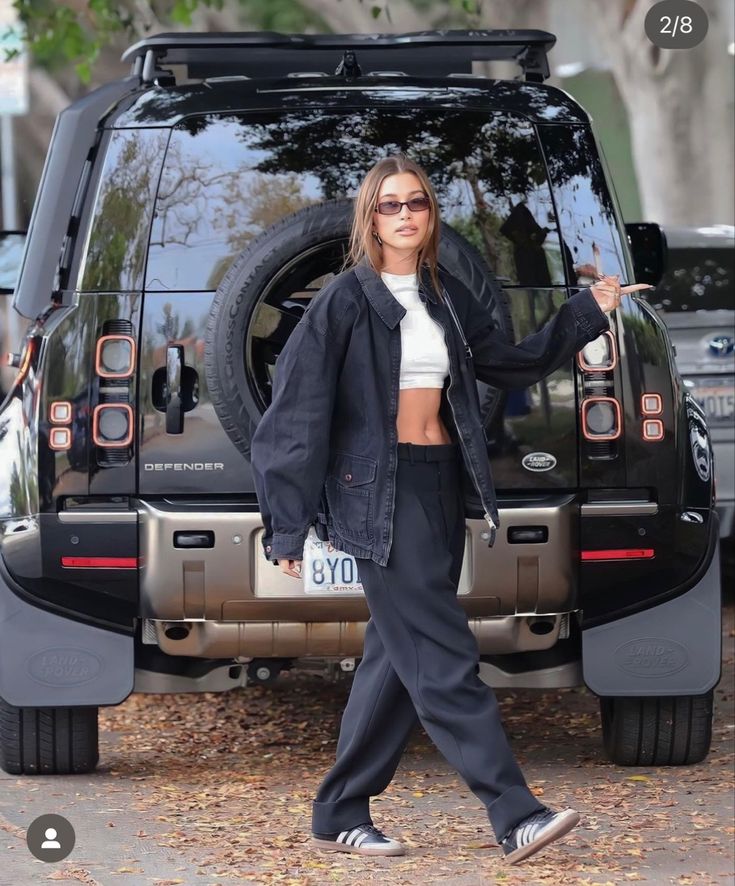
386 305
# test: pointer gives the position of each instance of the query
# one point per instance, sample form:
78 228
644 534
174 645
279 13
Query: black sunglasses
392 207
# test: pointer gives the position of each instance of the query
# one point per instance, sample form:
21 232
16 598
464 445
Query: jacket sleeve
290 446
503 364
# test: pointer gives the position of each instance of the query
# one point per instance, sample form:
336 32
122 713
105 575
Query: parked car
696 301
186 217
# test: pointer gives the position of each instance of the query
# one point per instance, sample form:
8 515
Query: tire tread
48 741
657 730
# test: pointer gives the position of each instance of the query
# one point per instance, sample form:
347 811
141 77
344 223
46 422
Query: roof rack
260 54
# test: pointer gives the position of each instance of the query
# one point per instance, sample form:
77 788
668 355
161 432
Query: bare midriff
418 419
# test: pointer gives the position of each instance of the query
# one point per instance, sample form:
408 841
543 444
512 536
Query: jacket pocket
350 490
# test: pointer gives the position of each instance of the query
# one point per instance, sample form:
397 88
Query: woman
420 656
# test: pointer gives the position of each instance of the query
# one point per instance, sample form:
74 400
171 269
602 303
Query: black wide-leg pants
420 658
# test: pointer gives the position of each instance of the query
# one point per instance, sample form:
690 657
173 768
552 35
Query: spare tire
267 288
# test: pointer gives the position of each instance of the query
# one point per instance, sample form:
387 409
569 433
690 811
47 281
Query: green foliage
285 16
182 9
58 33
451 13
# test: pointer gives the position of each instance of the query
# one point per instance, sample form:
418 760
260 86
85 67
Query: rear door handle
174 405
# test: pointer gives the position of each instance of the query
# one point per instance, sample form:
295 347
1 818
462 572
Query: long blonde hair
362 243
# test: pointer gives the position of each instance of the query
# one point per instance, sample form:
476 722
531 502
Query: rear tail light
653 429
599 355
601 415
60 412
601 418
115 356
112 425
113 418
99 562
59 438
651 404
619 554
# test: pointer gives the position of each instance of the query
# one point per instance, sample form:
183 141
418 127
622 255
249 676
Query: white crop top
424 356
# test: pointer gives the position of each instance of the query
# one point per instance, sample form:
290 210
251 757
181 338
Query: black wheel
267 288
674 730
48 741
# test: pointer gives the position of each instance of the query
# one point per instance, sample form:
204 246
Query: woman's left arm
580 319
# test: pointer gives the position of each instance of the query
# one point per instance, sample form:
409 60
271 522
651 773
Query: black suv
187 214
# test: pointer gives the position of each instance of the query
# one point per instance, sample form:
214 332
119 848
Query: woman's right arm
290 446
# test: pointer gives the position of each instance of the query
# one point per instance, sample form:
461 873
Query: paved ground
215 789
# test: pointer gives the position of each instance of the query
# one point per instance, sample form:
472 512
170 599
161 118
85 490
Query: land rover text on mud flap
185 218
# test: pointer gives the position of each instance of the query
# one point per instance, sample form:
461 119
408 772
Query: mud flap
674 648
47 660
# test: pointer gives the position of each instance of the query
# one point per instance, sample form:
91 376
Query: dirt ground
216 789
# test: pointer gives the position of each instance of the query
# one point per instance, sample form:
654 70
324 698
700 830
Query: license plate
718 402
326 570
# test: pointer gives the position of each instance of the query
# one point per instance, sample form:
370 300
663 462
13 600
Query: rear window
227 178
696 279
114 255
590 232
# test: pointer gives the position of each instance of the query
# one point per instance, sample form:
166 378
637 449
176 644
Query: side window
115 253
225 180
590 238
513 222
228 178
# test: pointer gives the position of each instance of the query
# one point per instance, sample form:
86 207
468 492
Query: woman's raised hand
608 292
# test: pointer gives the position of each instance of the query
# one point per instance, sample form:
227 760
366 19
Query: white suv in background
696 300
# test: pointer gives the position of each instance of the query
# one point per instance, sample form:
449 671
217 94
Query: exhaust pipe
541 624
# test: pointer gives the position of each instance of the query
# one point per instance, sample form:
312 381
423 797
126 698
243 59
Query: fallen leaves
226 781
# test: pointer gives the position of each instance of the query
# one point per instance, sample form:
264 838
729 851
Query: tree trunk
680 103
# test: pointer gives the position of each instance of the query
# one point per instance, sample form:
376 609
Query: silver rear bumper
227 600
341 639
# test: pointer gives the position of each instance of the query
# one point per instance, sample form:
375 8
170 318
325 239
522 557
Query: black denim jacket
325 450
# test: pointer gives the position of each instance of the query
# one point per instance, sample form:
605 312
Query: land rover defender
186 215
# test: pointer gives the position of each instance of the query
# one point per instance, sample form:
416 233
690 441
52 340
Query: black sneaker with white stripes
365 839
537 831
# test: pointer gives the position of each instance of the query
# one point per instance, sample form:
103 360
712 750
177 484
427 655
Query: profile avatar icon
50 837
50 842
